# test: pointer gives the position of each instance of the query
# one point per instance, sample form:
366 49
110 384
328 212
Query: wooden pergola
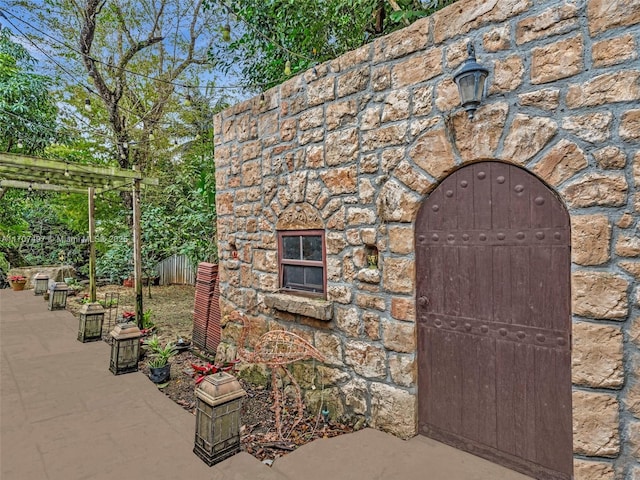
34 173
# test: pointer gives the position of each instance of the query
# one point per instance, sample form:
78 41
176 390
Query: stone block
340 180
433 153
606 14
610 158
348 321
633 439
620 86
591 127
597 355
403 308
403 42
467 15
339 293
371 322
341 146
592 189
399 336
596 428
367 360
398 275
556 20
634 331
558 60
630 126
393 410
413 178
479 138
631 399
498 38
590 239
401 239
592 470
353 81
330 346
396 106
628 246
599 295
527 137
328 398
309 307
417 69
561 163
356 396
614 51
507 74
320 91
341 114
384 137
395 204
546 99
374 302
402 369
447 96
360 216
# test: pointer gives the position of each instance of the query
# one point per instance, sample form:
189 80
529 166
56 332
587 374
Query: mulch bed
258 433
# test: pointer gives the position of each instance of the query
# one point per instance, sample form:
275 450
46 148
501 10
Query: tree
278 38
27 110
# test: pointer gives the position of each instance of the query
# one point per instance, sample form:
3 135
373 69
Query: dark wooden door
494 319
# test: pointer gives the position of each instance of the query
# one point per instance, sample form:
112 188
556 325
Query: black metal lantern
91 320
470 78
125 348
218 402
41 282
58 296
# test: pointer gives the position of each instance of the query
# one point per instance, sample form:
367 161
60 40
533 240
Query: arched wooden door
494 319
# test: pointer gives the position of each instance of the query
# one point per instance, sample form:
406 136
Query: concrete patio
64 416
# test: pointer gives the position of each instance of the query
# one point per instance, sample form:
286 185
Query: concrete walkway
64 416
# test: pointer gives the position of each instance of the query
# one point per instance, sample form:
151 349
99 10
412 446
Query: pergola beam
39 186
25 167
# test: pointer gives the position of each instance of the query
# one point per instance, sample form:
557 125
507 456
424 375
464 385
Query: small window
302 261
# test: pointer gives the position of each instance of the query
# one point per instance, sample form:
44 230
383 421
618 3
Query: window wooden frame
283 262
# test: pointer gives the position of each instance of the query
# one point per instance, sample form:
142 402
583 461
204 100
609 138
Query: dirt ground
172 313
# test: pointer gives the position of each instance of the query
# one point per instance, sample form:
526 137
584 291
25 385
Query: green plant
159 355
146 320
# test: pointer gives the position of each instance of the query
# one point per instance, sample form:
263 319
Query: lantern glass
218 403
125 348
471 78
41 284
91 321
58 296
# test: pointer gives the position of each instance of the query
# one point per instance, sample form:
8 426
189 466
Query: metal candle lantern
58 296
41 282
218 402
125 348
91 320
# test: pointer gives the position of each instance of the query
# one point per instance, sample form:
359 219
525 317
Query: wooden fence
176 269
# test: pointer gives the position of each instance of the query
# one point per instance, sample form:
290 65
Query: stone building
341 182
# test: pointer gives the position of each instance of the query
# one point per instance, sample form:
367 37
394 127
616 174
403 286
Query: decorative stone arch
300 216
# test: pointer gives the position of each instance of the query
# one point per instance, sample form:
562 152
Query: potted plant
18 282
159 366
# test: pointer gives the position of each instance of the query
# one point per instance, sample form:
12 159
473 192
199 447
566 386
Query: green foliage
27 110
159 354
273 35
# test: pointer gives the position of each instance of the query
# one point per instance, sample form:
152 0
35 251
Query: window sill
309 307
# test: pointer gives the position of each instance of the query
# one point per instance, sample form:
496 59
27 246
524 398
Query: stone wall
360 141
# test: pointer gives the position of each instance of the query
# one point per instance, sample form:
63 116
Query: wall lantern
58 295
218 402
41 283
91 320
125 348
470 78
